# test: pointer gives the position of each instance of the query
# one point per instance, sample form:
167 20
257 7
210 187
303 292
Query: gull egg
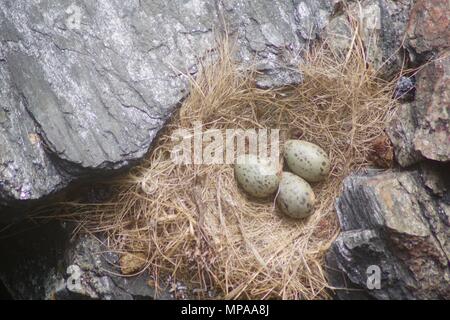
258 177
295 196
306 160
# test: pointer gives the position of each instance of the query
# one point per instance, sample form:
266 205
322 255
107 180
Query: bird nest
193 223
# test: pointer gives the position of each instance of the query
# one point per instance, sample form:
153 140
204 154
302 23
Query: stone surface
42 262
396 222
4 293
401 130
432 137
405 89
428 30
26 171
382 24
422 128
86 86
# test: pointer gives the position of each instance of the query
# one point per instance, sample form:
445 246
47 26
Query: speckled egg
295 196
306 160
258 177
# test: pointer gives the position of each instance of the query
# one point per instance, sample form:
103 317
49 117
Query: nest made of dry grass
193 223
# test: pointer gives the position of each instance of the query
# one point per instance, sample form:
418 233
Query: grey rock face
428 135
86 86
401 130
382 25
432 109
26 171
428 31
44 263
405 89
398 222
421 128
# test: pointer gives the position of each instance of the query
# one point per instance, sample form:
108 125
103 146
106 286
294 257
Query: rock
131 263
432 137
382 152
428 30
401 130
393 223
42 262
26 170
275 34
382 24
85 87
405 89
4 293
421 128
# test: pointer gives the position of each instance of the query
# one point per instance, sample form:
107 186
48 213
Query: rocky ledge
85 87
399 223
395 240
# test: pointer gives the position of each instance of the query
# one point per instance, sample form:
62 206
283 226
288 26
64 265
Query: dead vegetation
192 222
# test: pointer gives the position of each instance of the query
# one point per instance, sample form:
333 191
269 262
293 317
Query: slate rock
401 130
382 25
432 136
428 31
421 129
392 220
26 171
86 86
42 261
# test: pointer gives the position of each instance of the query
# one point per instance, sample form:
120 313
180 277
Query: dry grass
194 224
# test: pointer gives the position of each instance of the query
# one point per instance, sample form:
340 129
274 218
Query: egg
258 177
295 196
306 160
